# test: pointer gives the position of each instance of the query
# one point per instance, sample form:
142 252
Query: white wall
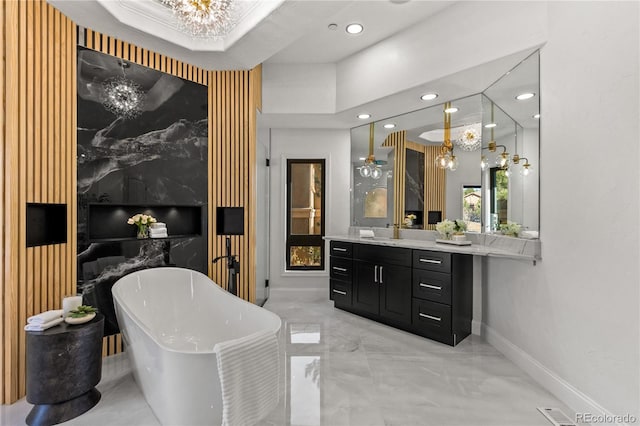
298 88
335 147
444 45
573 318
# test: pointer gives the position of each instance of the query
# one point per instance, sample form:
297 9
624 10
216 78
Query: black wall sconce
230 221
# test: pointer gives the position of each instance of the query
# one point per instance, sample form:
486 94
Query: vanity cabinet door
395 301
366 293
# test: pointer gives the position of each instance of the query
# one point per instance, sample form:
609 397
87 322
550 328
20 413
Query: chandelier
121 96
469 139
204 18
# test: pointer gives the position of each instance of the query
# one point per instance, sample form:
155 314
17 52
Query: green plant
82 311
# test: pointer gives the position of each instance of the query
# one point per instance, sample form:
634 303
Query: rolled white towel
159 235
158 225
45 317
42 326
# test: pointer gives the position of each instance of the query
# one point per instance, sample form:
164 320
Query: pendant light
445 159
370 168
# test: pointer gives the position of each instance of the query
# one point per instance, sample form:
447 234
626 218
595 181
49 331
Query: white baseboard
476 327
560 388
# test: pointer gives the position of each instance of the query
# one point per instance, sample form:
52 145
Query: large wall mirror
491 177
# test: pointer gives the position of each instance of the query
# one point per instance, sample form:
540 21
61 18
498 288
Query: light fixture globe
484 162
204 18
526 170
453 163
365 171
442 160
376 172
502 160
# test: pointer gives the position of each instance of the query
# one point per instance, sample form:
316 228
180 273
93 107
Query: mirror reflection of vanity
492 176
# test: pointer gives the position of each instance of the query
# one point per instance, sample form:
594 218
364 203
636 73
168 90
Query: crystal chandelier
469 140
204 18
121 96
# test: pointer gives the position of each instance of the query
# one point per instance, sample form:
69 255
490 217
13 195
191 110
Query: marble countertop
482 245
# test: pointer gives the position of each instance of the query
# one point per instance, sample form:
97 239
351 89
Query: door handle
381 282
431 317
436 262
435 287
375 274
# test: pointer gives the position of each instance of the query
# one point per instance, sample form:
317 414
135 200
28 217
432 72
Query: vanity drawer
434 286
382 254
432 260
340 292
431 317
341 248
340 268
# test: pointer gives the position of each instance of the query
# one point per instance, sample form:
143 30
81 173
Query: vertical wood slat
36 68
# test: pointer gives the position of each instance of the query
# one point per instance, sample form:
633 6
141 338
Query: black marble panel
414 183
155 160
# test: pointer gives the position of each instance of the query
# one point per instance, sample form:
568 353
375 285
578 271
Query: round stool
64 364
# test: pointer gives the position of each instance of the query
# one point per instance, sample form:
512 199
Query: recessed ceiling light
490 125
354 28
451 110
389 126
429 96
363 158
525 96
364 116
332 26
536 116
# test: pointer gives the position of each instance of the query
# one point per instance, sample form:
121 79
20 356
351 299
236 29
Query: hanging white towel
42 326
45 317
249 377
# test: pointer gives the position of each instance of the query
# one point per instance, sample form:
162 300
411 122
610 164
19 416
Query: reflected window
472 207
499 182
305 214
304 390
305 333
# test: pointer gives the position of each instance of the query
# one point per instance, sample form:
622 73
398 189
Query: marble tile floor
340 369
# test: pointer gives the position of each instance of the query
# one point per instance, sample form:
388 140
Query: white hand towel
159 235
42 327
158 231
158 225
249 377
45 317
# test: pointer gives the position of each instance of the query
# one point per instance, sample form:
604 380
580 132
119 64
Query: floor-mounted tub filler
199 354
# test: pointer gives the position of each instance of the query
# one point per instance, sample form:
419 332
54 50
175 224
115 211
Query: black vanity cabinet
425 292
340 273
442 295
382 282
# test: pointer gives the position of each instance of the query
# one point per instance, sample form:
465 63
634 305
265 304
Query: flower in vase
511 229
446 228
142 221
460 226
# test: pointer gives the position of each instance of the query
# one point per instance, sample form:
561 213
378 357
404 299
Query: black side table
64 364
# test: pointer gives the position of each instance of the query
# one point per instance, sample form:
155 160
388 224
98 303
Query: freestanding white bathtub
170 320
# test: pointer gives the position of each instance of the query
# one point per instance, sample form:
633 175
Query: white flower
510 228
445 227
130 221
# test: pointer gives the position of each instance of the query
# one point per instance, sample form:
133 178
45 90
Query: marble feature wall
156 159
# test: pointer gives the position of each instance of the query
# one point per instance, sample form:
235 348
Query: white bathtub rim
151 335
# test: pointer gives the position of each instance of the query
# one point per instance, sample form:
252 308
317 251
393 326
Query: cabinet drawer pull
431 317
344 293
436 262
339 249
375 274
435 287
336 268
381 275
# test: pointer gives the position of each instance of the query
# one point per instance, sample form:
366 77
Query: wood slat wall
38 146
38 149
435 188
434 179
